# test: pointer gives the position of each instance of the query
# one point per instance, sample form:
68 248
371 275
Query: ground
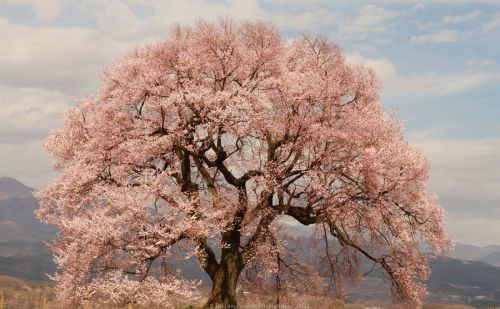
19 294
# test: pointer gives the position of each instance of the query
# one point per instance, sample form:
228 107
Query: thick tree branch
207 258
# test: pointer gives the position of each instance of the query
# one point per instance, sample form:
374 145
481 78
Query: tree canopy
206 141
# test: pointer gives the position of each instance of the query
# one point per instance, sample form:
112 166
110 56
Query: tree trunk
224 280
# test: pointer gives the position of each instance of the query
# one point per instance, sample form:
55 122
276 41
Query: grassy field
19 294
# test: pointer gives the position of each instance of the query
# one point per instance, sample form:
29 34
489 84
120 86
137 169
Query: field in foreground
19 294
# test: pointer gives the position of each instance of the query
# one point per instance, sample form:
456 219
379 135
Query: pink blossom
213 135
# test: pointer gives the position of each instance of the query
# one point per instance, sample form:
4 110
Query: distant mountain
473 283
11 188
23 253
18 222
452 281
24 248
492 258
33 268
488 254
453 275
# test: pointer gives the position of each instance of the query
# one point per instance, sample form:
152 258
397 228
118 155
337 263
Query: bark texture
224 280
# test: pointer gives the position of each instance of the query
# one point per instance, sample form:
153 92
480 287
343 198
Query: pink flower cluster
211 136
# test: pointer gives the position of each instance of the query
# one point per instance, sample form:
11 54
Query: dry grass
18 294
444 306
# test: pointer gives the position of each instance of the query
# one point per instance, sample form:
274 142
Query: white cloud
431 2
418 6
15 2
47 10
47 57
465 173
423 85
29 113
44 10
310 18
460 163
475 231
444 36
69 59
441 84
493 23
371 19
27 162
457 19
479 63
384 68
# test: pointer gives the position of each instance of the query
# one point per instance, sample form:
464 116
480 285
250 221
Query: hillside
11 188
17 219
454 275
23 253
488 254
492 258
32 268
13 248
468 282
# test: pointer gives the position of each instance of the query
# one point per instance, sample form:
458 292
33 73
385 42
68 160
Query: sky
439 61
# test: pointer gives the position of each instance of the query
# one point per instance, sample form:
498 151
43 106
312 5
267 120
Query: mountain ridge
18 222
13 188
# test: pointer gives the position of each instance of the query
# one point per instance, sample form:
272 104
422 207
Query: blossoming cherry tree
204 142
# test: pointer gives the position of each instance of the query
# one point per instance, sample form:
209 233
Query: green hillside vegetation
33 268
